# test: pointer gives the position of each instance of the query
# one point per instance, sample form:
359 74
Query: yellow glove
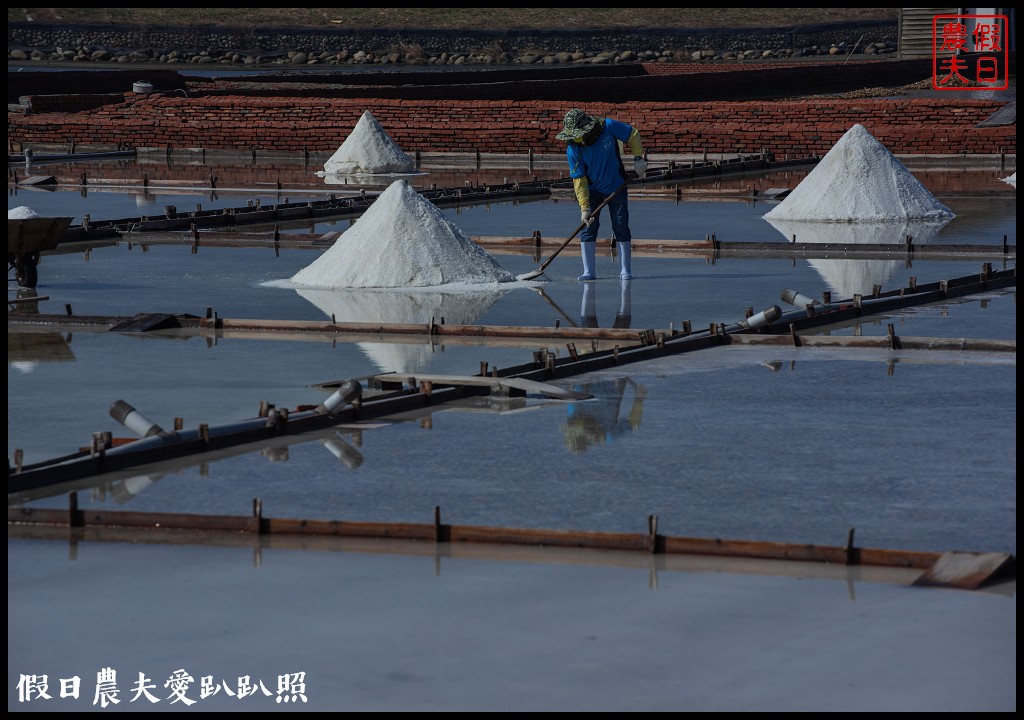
581 187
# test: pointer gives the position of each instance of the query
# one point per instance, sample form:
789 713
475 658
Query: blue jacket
601 162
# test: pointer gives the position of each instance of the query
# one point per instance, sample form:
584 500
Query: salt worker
595 166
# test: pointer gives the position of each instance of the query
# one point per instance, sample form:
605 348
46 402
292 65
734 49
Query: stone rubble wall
673 103
52 43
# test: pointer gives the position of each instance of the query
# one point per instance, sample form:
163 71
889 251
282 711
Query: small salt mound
402 241
369 149
22 213
859 180
1012 180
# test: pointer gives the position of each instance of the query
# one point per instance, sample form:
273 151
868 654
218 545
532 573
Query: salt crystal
22 213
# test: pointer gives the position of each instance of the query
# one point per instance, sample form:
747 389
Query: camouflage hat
576 124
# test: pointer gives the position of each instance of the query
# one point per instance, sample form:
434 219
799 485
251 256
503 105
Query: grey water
914 449
911 449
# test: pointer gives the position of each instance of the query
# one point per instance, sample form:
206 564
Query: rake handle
581 226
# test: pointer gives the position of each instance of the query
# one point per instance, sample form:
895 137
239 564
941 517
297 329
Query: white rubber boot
625 260
589 252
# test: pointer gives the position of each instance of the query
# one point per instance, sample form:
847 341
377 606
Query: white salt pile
402 241
859 180
369 149
1012 180
22 213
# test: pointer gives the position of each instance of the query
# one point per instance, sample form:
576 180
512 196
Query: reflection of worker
595 166
588 308
597 421
28 301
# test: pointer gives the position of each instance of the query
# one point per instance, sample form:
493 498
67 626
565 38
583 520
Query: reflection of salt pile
402 240
22 213
369 149
845 277
392 307
859 180
1012 180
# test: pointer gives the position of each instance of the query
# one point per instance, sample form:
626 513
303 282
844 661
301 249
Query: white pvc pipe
765 317
133 420
349 391
794 297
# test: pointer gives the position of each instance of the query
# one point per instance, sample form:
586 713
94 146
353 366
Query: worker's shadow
588 306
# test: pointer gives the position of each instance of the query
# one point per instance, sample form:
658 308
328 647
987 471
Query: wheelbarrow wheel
26 271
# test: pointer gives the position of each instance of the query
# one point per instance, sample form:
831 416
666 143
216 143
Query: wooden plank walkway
961 570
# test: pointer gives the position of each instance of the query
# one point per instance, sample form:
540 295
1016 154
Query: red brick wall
72 103
316 124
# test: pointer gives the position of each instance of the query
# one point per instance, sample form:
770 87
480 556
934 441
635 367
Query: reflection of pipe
135 485
275 454
349 392
133 420
795 297
553 304
125 490
348 455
